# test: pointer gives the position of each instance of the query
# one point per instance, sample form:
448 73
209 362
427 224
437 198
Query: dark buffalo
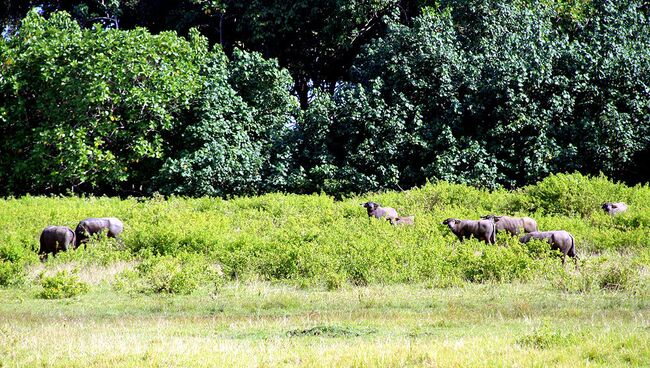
464 229
513 225
375 210
92 226
54 239
558 239
614 208
405 220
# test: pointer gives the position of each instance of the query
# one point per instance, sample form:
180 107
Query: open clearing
261 324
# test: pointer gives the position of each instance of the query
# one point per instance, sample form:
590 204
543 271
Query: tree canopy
225 97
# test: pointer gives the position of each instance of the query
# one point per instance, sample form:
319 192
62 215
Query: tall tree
316 40
87 108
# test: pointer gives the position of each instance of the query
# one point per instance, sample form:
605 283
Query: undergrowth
315 240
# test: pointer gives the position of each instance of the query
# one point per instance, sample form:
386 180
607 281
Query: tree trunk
302 90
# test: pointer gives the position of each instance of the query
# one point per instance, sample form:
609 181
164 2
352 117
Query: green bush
99 250
480 263
575 194
14 257
319 240
11 273
173 275
62 285
334 280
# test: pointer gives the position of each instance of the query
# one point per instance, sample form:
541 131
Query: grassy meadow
308 280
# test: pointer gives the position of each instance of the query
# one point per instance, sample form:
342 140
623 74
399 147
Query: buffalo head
371 205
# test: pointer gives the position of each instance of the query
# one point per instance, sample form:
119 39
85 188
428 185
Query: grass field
291 280
260 324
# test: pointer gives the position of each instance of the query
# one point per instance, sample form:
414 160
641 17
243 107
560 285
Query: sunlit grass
310 281
261 324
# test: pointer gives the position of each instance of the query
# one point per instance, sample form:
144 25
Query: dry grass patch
91 274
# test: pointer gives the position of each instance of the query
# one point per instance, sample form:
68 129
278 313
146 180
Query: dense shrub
174 275
15 255
62 285
581 195
318 240
99 250
11 273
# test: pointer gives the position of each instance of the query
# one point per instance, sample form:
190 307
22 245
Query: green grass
261 324
307 280
317 240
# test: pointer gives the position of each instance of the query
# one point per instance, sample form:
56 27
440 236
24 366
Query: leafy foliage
173 275
236 140
488 93
88 107
266 90
62 285
15 256
216 155
11 273
506 95
317 240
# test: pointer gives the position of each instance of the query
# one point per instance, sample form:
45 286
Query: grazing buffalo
614 208
92 226
513 225
54 239
405 220
464 229
375 210
558 239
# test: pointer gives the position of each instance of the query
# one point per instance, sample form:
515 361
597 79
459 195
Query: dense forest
232 97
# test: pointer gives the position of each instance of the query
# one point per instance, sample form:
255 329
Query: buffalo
375 210
558 239
513 225
92 226
404 220
464 229
54 239
614 208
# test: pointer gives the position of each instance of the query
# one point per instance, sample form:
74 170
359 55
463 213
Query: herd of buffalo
60 238
487 227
